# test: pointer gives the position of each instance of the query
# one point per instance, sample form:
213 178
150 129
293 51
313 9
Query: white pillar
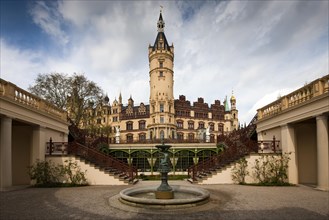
6 153
288 142
38 148
322 152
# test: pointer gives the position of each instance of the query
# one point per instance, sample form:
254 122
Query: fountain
164 196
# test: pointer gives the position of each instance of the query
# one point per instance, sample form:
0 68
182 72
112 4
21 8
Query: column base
164 194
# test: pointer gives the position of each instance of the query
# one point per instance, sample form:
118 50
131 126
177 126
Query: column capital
321 117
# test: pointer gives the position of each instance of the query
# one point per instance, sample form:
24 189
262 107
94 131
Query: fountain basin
184 196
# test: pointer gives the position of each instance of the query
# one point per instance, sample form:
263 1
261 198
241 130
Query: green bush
270 170
73 174
47 174
239 171
44 173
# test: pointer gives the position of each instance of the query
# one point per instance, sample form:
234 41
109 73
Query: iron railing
92 155
102 160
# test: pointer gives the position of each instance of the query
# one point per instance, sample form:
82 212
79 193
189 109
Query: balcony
304 95
16 95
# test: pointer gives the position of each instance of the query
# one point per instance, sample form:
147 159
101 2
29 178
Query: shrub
44 173
47 174
72 172
239 171
270 170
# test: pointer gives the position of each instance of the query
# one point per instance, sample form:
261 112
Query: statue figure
164 163
117 129
208 131
117 135
208 134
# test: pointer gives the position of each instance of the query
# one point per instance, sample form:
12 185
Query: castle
164 118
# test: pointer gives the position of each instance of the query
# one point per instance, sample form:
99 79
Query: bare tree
53 88
72 93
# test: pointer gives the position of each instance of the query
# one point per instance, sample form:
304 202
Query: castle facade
164 118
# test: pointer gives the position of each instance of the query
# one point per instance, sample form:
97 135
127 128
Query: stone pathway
226 202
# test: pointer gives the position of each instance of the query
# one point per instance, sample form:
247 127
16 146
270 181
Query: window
130 138
201 124
162 135
180 124
211 127
191 125
115 111
129 125
161 119
220 128
161 108
212 138
161 64
180 136
190 136
142 137
115 119
141 125
161 73
99 121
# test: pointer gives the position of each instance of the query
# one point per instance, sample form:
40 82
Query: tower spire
161 23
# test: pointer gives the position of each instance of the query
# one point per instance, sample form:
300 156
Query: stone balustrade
306 93
13 93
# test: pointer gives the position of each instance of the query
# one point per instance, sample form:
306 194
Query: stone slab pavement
226 202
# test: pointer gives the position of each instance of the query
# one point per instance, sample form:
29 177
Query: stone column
322 151
6 153
289 146
38 148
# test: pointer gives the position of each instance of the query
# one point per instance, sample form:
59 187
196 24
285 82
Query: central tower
161 61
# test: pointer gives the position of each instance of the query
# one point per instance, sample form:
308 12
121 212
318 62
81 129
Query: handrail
12 92
102 160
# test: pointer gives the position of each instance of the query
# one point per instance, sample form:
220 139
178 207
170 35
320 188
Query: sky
259 50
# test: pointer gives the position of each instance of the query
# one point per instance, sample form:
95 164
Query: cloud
251 47
46 16
17 66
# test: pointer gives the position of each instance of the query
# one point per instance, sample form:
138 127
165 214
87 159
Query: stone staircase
104 163
236 145
101 161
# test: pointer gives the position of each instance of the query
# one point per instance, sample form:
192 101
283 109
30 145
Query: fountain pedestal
164 191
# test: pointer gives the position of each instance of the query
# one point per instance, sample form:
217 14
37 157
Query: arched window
161 134
191 125
141 125
129 125
180 136
130 138
180 124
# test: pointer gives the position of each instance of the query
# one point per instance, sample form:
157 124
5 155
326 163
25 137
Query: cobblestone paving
226 202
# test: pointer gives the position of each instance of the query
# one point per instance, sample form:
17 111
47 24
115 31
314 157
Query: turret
161 62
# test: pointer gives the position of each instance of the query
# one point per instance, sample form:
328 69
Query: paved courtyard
226 202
